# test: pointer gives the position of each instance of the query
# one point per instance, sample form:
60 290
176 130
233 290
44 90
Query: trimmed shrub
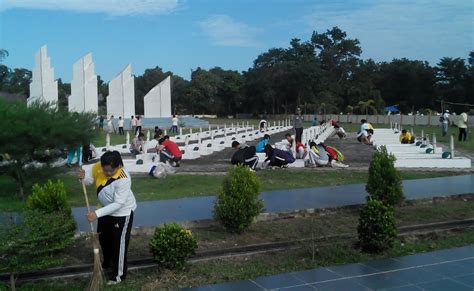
385 182
171 245
238 204
49 197
377 228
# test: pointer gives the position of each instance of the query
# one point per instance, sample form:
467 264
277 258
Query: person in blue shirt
262 143
314 122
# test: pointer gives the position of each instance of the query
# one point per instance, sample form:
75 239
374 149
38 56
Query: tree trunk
12 281
21 181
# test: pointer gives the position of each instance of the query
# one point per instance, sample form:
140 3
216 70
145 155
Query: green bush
377 229
34 243
49 197
238 204
171 245
385 182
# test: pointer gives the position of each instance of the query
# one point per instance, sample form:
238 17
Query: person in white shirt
115 218
133 123
445 122
138 129
174 127
120 126
110 124
462 125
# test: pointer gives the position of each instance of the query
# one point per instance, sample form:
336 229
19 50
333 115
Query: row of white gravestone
421 154
214 139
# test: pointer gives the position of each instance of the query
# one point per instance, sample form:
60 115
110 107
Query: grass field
178 186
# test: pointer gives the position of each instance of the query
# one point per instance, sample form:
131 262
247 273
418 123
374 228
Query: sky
181 35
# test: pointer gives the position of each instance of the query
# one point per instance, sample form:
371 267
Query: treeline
324 74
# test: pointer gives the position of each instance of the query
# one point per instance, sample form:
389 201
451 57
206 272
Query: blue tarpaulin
393 108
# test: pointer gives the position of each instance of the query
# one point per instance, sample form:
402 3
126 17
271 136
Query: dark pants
86 153
299 133
114 237
138 130
279 162
167 156
251 162
462 134
121 132
174 129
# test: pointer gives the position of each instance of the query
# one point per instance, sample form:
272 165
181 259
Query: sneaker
112 282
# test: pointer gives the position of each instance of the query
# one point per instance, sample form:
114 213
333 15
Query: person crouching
245 155
169 151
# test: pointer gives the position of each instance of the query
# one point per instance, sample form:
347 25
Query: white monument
84 86
121 99
43 86
157 102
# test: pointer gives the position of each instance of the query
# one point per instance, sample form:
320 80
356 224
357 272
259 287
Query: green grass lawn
179 186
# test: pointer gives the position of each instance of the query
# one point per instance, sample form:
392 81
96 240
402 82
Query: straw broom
97 280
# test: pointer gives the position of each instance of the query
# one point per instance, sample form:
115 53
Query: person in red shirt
169 151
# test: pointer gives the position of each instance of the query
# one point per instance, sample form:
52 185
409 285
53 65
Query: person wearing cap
298 125
245 155
445 122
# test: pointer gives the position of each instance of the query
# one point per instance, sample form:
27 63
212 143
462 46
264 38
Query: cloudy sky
180 35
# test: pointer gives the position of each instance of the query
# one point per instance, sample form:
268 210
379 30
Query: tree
33 243
3 54
366 106
451 73
38 133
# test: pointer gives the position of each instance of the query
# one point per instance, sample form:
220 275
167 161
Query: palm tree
365 106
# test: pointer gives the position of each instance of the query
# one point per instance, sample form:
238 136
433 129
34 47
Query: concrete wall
378 119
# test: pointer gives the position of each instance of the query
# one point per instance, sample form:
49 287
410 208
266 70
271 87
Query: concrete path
151 213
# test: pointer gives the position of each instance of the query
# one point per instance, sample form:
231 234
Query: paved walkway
447 270
151 213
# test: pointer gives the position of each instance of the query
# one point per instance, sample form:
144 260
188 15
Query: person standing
462 125
115 218
120 126
174 127
133 124
110 124
73 151
444 119
138 129
298 125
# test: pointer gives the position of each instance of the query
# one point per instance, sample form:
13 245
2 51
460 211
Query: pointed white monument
84 96
43 86
121 99
157 102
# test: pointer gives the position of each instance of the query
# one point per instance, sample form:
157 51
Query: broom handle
87 201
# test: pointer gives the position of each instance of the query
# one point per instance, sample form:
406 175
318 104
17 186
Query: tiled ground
151 213
447 270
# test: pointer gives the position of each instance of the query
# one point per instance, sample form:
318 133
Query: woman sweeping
116 216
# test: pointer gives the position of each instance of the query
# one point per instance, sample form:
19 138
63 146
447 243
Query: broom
97 281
